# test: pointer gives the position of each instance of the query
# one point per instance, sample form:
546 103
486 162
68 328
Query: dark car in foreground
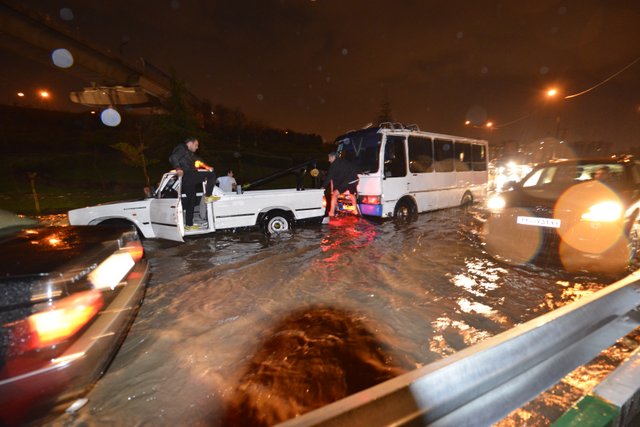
68 296
582 213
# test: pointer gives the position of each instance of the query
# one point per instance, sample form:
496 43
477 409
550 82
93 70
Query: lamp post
553 93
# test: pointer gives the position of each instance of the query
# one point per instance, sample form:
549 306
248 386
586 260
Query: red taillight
371 200
63 319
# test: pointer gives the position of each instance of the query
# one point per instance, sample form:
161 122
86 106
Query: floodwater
238 329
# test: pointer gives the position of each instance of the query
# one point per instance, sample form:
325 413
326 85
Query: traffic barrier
615 401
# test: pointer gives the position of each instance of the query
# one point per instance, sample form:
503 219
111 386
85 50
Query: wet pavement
237 328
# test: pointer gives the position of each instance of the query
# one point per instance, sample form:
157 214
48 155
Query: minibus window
443 150
479 157
420 154
463 156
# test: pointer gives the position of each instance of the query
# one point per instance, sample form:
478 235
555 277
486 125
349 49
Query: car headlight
496 203
604 212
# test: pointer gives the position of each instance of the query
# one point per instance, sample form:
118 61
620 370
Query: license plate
539 222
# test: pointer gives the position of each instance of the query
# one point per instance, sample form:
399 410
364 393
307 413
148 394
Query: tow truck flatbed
161 215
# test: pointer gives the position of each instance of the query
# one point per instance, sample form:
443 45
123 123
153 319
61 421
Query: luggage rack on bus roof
398 126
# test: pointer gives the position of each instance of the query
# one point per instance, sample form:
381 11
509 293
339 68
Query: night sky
326 66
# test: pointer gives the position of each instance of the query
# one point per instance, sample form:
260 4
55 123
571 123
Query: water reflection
223 312
345 235
551 404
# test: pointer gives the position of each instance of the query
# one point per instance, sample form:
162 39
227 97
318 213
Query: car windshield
564 174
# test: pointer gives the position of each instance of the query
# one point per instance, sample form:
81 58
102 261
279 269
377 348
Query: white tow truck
162 215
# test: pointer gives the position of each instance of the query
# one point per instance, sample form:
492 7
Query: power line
573 95
604 81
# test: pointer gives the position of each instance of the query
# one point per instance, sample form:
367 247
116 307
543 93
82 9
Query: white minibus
403 171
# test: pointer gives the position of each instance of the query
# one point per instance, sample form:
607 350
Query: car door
166 210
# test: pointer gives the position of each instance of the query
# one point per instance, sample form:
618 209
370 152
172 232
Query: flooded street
225 315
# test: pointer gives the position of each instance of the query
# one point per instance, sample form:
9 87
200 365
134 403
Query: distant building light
44 94
20 94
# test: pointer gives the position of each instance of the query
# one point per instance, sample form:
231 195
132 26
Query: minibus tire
405 210
467 199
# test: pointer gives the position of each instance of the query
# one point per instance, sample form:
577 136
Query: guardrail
483 383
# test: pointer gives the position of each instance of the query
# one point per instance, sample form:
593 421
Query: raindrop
260 97
62 58
319 67
345 52
459 35
484 70
562 10
544 69
328 79
66 14
175 4
110 117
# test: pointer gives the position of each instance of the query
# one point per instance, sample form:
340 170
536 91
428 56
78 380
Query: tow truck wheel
275 222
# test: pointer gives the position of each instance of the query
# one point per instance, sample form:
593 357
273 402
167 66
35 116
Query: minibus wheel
467 199
405 210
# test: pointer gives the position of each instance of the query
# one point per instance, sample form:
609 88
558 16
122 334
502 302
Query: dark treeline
64 146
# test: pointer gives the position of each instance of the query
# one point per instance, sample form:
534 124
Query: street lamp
45 98
552 93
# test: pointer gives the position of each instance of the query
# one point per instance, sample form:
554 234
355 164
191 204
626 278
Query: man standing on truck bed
184 160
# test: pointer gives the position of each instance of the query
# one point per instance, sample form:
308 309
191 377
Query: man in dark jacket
342 176
183 159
